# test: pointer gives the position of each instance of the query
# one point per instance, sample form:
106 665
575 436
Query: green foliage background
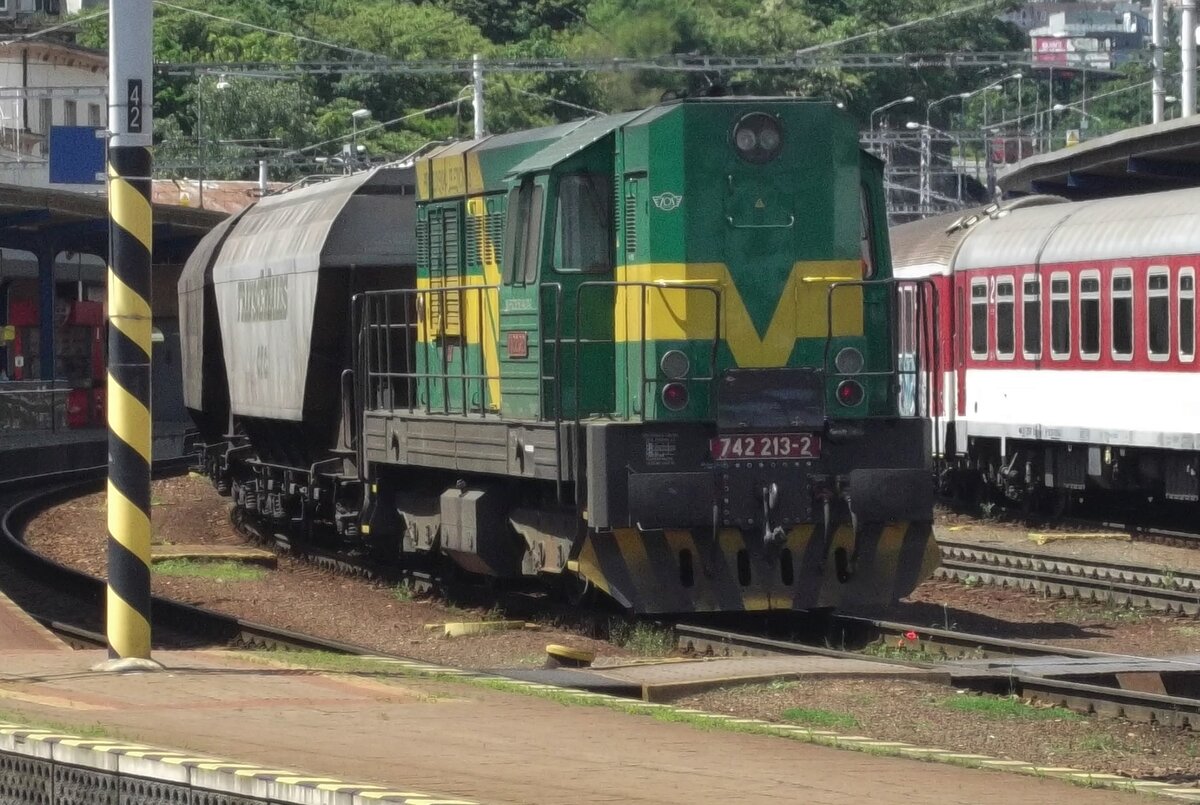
304 117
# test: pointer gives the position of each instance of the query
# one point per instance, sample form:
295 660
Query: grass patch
96 730
1105 612
904 653
642 638
1099 743
404 593
819 718
1187 631
220 571
1005 707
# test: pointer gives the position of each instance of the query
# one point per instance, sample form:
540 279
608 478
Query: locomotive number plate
763 445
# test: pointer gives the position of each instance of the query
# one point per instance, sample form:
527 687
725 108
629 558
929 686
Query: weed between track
999 707
642 638
220 571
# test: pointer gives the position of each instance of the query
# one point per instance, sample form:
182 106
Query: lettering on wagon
263 299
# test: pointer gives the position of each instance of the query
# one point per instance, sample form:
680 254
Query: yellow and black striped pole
130 320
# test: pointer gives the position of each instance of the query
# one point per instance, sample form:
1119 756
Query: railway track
43 583
1082 697
1140 587
178 623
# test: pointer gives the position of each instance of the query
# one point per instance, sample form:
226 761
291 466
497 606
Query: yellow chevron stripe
679 314
130 209
129 312
129 418
128 524
128 631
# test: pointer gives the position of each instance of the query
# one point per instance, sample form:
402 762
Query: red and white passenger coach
1067 336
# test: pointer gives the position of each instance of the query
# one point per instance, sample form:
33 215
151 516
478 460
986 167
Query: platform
439 738
20 632
27 453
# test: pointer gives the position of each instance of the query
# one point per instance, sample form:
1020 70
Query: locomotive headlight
746 140
849 361
675 364
758 137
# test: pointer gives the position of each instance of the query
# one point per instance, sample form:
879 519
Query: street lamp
355 116
927 132
962 96
885 107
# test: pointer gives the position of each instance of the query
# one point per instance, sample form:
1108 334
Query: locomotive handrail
379 302
924 325
791 222
645 285
556 379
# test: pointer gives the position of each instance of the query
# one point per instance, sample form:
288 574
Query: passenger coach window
979 317
1060 316
1089 316
1187 314
1122 314
583 223
1005 338
1031 314
1158 313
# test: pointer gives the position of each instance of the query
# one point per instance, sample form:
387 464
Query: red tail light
849 393
675 396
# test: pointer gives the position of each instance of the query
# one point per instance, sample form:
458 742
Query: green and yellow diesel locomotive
658 353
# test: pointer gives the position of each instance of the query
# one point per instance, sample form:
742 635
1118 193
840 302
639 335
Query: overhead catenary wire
264 29
897 27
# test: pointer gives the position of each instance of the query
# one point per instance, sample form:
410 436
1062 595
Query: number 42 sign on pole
133 107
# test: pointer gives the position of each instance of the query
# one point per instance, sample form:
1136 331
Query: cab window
583 224
523 235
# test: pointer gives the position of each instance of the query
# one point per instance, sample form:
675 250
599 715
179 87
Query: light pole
355 116
962 96
885 107
927 133
221 85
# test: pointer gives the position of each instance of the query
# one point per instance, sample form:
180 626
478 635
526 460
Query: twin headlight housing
757 137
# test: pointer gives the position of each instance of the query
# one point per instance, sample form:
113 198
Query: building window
69 118
94 115
1122 314
979 318
1031 316
46 113
1005 319
1187 314
1158 313
1060 316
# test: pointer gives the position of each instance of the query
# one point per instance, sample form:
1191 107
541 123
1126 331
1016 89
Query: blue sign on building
77 154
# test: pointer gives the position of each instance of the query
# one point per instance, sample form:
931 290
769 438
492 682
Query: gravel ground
297 596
